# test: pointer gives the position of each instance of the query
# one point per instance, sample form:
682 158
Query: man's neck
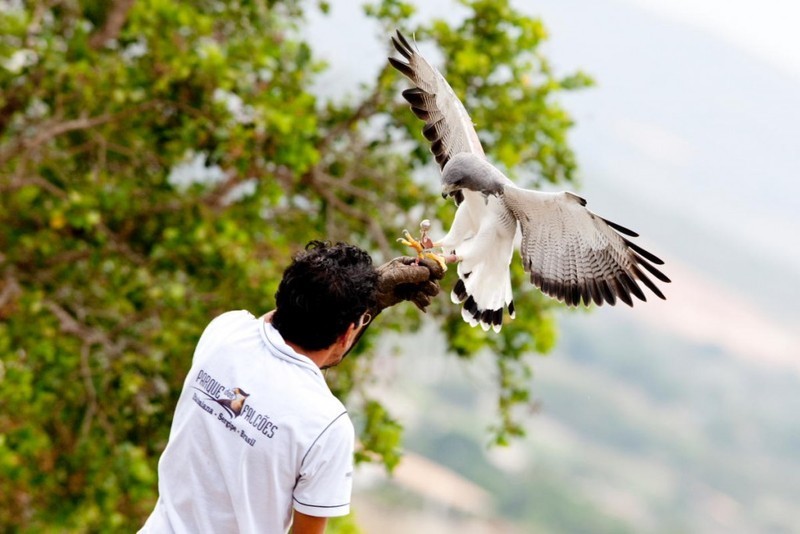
320 357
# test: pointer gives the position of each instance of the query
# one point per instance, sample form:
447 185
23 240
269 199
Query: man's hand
410 279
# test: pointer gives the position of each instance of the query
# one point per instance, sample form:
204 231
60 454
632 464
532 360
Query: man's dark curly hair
325 289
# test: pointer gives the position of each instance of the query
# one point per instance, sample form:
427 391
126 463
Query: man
258 441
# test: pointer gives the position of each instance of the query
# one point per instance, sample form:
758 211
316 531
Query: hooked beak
448 190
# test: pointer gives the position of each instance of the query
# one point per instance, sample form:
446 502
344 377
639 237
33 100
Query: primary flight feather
571 254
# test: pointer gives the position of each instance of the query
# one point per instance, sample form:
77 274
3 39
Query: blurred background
676 416
160 161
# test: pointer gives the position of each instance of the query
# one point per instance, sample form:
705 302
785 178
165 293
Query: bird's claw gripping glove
411 279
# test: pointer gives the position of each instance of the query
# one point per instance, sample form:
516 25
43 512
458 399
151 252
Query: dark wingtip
655 272
624 296
402 45
574 294
430 131
403 40
649 283
608 294
642 252
621 229
414 96
628 285
405 68
437 147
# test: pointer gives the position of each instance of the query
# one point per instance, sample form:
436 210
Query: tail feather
484 288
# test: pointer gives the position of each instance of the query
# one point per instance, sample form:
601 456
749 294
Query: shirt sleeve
326 473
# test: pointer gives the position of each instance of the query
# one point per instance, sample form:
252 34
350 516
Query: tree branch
54 128
91 391
17 182
364 110
70 325
49 131
372 223
115 19
327 180
9 290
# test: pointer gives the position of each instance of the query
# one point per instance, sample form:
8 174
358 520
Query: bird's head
471 172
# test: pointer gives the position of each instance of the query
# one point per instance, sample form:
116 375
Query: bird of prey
231 405
571 254
234 406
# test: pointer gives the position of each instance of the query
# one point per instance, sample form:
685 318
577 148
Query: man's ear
349 336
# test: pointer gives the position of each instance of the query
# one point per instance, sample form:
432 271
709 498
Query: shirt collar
281 350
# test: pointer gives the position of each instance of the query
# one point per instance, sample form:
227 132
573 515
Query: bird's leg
424 245
426 241
448 258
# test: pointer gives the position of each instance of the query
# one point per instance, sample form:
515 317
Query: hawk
570 253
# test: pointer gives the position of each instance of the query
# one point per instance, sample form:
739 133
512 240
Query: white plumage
571 253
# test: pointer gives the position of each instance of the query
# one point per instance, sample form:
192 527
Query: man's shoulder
222 324
223 329
231 318
337 434
342 424
318 403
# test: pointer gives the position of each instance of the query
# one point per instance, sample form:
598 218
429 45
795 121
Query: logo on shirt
233 402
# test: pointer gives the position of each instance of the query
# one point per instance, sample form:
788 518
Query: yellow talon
409 241
422 252
437 258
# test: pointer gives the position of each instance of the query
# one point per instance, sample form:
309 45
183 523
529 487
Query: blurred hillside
679 437
671 417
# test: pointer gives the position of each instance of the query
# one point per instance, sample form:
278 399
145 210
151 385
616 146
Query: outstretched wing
573 255
484 285
447 124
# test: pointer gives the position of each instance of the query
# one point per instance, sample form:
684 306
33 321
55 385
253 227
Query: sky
765 28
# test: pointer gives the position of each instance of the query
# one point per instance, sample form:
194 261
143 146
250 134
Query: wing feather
447 123
573 255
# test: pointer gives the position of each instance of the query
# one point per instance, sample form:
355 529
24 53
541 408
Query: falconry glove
406 278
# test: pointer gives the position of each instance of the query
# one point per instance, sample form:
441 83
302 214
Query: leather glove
403 279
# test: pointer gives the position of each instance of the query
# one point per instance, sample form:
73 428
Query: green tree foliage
116 250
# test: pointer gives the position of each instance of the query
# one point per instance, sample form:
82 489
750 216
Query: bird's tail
484 289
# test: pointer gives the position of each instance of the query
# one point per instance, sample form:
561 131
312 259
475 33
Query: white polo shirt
256 433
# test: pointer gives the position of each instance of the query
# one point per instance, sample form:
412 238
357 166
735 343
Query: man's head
325 290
